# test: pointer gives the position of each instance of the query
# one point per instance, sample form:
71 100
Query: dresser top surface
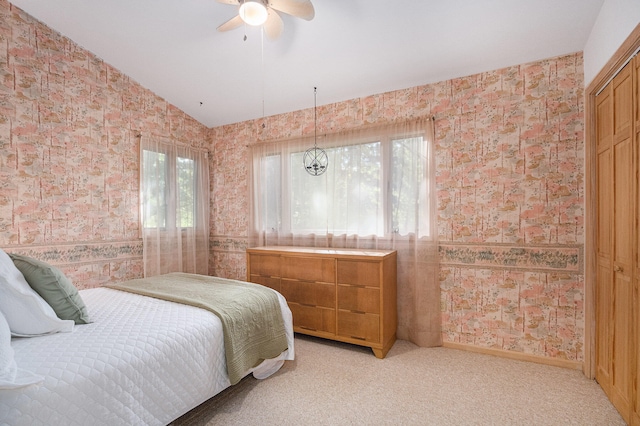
322 251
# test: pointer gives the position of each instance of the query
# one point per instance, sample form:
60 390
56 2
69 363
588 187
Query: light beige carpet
332 383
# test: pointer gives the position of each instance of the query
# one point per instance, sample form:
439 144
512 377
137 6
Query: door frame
617 61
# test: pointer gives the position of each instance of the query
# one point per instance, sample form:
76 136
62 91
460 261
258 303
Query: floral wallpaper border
566 258
88 252
228 244
89 264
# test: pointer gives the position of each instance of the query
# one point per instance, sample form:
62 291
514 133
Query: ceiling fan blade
231 24
273 26
298 8
236 2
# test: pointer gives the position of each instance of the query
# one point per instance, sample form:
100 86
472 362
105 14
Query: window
408 185
174 207
186 184
168 176
348 200
375 185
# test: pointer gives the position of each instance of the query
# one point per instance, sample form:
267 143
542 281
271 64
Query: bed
140 361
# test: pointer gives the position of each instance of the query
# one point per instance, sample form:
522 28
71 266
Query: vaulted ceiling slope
352 48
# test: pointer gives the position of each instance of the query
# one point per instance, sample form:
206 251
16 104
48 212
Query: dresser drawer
359 273
309 269
266 265
359 326
271 282
309 318
361 299
309 293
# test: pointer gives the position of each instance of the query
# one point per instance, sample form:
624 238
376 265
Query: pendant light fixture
315 159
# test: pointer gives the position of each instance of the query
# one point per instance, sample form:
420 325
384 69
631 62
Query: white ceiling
352 48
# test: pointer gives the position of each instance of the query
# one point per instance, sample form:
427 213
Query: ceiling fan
259 12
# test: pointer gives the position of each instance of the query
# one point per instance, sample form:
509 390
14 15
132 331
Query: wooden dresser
347 295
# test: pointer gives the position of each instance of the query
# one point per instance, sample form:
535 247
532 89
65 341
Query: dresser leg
381 353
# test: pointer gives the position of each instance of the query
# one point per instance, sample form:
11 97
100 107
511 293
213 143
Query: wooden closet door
635 416
623 224
616 175
604 286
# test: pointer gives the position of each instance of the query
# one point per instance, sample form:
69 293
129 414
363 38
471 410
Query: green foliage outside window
167 178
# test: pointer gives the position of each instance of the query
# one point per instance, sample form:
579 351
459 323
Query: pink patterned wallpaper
510 188
510 180
69 152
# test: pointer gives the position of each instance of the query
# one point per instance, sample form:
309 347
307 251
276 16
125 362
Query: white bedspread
143 361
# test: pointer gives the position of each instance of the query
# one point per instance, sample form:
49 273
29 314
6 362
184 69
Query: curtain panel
174 207
378 193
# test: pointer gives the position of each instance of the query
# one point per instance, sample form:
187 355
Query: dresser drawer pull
308 328
358 312
308 305
358 338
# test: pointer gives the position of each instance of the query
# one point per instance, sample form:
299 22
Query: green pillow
54 287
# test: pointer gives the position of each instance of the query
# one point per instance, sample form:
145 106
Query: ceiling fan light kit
266 13
253 12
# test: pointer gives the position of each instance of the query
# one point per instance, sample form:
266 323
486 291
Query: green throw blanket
250 314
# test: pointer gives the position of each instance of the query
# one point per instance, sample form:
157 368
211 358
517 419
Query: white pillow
12 377
25 311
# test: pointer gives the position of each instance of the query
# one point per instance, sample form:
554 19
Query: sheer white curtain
174 207
378 192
